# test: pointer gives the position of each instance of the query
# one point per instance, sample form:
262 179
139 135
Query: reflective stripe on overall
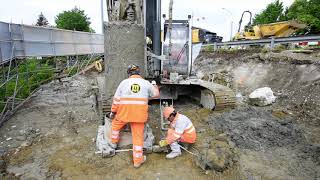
130 103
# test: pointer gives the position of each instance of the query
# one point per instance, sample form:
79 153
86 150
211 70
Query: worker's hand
153 82
112 115
163 143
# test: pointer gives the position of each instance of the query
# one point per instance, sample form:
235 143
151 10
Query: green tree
308 12
274 12
74 19
42 21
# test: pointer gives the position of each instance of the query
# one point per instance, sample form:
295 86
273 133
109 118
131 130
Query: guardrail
271 41
18 40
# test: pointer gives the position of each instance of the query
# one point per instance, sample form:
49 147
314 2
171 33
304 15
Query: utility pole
102 14
231 24
170 27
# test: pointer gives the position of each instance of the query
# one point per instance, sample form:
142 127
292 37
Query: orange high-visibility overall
130 103
181 130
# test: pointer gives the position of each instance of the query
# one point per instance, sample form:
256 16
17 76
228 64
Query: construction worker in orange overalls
130 105
181 130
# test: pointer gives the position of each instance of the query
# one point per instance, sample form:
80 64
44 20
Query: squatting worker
130 105
181 130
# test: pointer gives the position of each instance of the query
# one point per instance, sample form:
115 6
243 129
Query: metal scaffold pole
170 28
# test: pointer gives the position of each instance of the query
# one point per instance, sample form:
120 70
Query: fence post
215 46
28 76
272 43
15 89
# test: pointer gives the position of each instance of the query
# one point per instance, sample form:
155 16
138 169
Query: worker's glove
112 115
153 82
163 143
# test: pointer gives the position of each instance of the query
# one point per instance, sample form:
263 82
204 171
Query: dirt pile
257 129
216 152
52 119
280 141
293 77
218 155
65 149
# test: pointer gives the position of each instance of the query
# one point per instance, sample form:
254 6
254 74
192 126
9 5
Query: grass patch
29 75
279 48
208 48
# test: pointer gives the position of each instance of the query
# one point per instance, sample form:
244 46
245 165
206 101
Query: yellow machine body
278 29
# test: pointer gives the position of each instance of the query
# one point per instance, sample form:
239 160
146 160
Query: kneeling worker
181 130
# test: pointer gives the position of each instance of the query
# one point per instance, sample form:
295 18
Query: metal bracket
164 103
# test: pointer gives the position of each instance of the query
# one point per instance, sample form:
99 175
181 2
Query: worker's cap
167 111
132 68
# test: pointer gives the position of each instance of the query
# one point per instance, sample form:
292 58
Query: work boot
139 164
173 154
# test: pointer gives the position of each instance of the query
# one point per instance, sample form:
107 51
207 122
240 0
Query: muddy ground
280 141
52 136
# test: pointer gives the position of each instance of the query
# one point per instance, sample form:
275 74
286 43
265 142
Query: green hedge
32 73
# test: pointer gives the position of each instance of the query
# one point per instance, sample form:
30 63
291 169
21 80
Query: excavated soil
52 136
280 141
257 129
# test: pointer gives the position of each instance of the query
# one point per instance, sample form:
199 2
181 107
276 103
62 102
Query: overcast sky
209 12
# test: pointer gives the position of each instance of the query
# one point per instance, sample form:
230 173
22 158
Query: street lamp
102 14
231 16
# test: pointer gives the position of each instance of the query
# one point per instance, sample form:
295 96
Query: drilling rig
137 33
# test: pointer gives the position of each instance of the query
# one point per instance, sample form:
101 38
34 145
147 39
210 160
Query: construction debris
262 97
97 65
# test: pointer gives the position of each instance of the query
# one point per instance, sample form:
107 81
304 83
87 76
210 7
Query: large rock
262 97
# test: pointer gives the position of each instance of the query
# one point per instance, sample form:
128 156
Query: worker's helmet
167 111
133 69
